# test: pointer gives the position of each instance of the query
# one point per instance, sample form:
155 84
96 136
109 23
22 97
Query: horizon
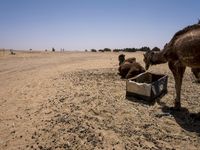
80 25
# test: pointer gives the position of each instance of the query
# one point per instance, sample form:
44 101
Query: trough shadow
147 102
139 100
187 120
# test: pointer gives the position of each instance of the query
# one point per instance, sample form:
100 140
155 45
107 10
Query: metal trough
147 86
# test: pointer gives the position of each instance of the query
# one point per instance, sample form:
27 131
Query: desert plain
76 100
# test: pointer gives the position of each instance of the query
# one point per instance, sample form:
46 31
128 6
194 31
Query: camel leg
178 70
129 74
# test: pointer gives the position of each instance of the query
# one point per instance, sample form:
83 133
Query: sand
76 100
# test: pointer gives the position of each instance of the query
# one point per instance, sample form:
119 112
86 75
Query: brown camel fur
128 70
183 50
122 59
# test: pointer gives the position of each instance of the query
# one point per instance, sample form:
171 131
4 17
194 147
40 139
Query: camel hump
137 66
131 60
183 31
186 29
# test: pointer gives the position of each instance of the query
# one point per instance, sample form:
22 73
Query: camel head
121 58
147 59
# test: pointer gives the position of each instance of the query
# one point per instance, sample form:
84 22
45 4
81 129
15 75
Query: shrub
107 50
101 50
156 49
93 50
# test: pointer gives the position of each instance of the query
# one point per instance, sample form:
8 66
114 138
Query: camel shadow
187 120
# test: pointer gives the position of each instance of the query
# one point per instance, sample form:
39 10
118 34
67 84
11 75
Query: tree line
143 49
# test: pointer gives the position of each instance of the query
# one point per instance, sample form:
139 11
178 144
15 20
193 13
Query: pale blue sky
87 24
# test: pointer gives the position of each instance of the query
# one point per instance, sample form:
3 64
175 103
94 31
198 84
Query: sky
93 24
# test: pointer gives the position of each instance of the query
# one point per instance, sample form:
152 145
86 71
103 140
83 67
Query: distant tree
45 50
93 50
156 49
145 49
107 50
86 50
101 50
53 49
130 50
116 50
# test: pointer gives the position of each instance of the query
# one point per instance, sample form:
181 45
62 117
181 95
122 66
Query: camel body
184 47
129 67
122 59
130 60
183 50
129 70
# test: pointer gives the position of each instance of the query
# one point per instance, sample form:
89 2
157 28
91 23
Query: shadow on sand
187 120
139 100
147 102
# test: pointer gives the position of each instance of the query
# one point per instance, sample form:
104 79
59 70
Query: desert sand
76 100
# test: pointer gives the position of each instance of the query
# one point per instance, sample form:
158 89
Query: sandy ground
76 100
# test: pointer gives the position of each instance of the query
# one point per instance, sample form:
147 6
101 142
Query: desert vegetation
143 49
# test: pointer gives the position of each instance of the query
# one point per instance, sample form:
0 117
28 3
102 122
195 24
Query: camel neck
158 58
121 62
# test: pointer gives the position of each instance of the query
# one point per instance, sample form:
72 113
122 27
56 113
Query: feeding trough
147 86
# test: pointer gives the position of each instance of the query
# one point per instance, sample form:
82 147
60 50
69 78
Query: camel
128 70
129 67
182 51
122 59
